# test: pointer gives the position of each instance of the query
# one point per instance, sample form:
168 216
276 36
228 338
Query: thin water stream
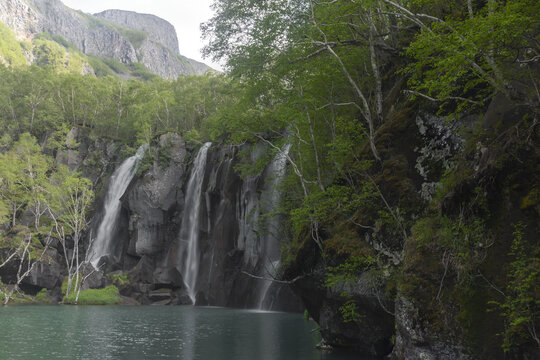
118 183
189 233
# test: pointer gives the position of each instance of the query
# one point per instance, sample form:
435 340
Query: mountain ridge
124 36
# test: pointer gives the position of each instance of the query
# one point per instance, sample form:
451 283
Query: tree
466 55
24 186
69 214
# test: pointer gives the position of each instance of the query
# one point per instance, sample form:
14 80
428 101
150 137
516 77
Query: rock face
415 342
369 331
125 36
155 201
157 29
159 50
19 16
229 245
85 32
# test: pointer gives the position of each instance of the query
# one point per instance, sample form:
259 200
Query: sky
185 15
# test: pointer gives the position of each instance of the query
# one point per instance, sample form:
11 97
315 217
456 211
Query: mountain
124 36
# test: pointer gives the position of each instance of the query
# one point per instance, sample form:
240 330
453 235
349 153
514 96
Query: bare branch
285 282
412 92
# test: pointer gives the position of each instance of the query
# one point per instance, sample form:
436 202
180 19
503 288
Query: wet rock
155 199
169 277
200 299
93 279
161 295
161 302
143 272
181 298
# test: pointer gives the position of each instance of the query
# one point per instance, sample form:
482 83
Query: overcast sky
185 15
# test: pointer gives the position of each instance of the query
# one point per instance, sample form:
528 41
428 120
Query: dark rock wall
146 238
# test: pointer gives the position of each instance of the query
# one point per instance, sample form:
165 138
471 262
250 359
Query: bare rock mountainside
124 36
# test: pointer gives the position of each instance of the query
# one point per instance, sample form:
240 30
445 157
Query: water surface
146 332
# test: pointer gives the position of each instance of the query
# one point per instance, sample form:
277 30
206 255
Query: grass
105 296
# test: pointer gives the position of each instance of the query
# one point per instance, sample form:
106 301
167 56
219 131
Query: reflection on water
187 333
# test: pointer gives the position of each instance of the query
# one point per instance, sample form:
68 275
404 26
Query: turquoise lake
149 332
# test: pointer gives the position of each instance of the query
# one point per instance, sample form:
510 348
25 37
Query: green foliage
464 242
39 101
120 279
164 154
139 71
336 200
105 296
116 66
100 67
532 199
11 52
42 297
521 307
349 312
349 270
465 59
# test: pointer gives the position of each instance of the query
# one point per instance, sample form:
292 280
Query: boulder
143 272
93 279
45 274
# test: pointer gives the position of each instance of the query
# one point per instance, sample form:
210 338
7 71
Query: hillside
127 37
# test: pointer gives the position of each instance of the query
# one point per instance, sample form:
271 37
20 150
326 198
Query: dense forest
413 168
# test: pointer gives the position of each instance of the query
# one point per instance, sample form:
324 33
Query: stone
160 295
142 273
45 274
169 277
93 279
413 342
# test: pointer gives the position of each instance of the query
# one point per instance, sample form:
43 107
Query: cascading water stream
189 234
270 201
120 180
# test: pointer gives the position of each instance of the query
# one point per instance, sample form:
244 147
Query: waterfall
118 184
189 233
270 198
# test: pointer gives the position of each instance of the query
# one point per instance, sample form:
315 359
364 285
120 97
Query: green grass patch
105 296
135 37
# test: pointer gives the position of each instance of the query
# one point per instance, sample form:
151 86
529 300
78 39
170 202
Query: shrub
42 297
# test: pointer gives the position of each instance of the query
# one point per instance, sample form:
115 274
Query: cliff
126 37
